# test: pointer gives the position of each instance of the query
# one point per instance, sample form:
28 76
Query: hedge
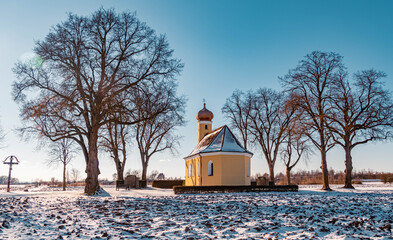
167 183
226 189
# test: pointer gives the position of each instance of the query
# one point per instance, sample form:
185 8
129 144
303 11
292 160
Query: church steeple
204 118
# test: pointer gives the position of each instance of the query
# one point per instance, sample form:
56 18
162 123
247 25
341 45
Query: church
218 159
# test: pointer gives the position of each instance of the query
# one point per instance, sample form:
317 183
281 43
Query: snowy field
41 213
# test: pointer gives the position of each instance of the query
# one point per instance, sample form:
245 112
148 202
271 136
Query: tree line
336 177
4 180
320 107
100 82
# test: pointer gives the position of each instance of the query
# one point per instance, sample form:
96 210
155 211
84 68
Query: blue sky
225 45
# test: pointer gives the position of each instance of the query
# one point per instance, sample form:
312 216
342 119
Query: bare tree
157 134
363 112
114 177
53 182
61 152
136 172
115 140
75 175
269 119
153 174
295 147
88 66
311 81
237 109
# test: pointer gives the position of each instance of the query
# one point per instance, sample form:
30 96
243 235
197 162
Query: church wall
195 178
234 170
228 170
216 179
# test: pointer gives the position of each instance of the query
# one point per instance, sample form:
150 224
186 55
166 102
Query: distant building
160 176
218 159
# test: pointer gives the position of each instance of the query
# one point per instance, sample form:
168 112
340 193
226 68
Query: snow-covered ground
364 213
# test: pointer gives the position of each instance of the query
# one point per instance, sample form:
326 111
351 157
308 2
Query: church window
205 126
210 168
248 169
199 169
189 170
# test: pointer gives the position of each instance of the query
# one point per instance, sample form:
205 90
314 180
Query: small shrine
218 159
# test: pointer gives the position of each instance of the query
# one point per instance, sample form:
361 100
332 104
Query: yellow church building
218 159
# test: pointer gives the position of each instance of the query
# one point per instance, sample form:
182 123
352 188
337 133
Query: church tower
204 118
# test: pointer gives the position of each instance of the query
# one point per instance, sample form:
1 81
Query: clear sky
225 45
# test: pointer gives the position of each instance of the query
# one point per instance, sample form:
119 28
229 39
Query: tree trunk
92 170
288 176
119 169
120 175
144 170
325 172
348 167
82 144
271 174
145 160
64 176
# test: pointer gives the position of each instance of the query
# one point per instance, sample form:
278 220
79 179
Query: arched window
210 168
199 169
205 126
189 170
248 169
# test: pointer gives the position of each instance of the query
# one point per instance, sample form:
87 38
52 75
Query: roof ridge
218 133
237 141
223 136
211 143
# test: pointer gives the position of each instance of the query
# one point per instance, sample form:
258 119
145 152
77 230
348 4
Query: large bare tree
157 134
363 112
237 109
269 119
312 80
89 66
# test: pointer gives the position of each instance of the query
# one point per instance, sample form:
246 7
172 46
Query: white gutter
219 153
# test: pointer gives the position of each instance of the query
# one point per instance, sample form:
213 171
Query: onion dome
204 114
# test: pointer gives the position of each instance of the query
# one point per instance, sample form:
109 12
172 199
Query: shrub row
226 189
167 183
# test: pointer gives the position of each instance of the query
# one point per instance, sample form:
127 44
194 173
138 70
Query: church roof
219 140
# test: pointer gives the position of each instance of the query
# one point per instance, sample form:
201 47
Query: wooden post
10 162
